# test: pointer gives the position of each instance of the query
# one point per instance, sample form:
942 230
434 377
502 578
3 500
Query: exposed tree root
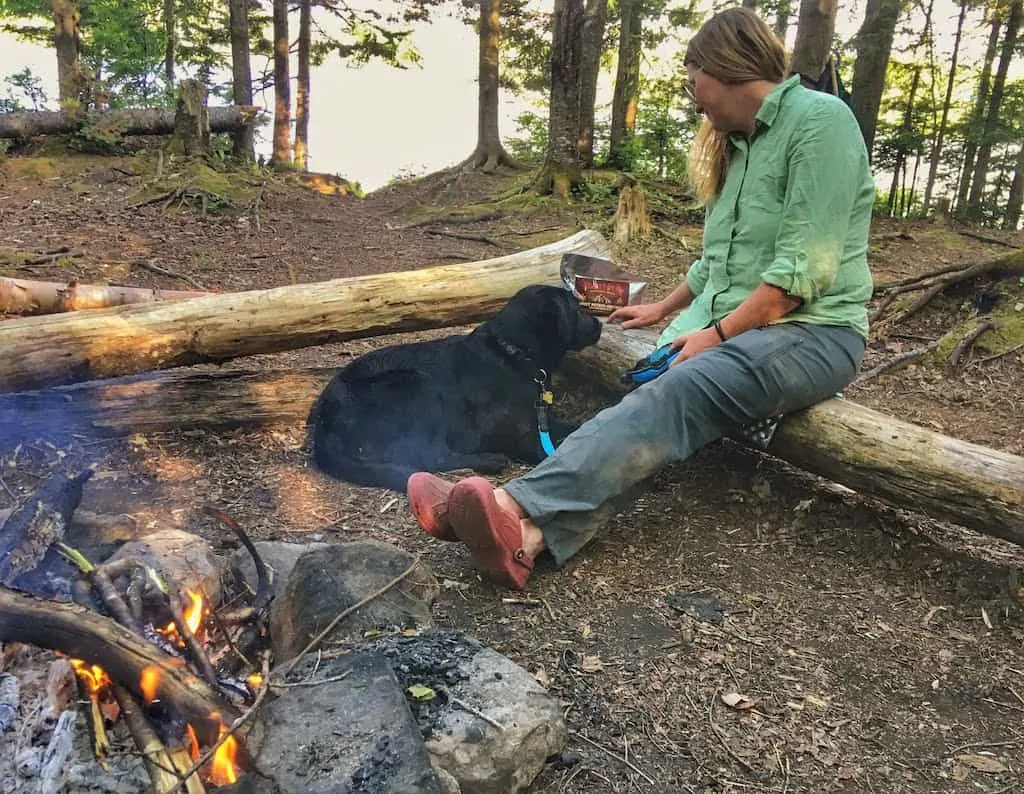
936 282
964 345
900 361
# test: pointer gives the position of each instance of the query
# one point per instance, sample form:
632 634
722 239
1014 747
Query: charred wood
41 521
82 634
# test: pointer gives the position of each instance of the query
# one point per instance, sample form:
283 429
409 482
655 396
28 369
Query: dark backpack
829 81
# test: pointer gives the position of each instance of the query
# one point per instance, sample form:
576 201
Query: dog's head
546 322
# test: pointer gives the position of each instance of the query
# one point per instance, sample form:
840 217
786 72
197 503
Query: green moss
188 182
31 168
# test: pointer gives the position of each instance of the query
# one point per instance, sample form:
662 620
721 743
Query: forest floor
853 647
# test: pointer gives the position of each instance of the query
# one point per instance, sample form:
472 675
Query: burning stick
166 768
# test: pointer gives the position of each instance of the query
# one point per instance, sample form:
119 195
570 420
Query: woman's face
715 99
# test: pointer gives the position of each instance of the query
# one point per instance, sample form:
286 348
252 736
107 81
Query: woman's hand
689 345
639 316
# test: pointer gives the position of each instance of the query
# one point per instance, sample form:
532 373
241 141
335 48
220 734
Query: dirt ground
745 627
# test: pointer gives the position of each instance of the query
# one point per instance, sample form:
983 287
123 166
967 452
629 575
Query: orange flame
193 743
254 681
193 615
149 681
94 676
224 770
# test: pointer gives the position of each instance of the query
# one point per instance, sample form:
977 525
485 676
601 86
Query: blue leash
544 400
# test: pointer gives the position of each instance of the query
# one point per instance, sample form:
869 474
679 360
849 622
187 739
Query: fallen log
164 401
25 297
70 348
127 121
868 451
82 634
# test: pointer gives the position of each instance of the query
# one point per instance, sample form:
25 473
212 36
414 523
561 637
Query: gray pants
760 374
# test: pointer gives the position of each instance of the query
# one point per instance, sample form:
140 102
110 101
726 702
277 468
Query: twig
264 573
344 614
721 736
475 712
235 726
154 200
900 360
994 356
312 682
965 344
973 745
454 219
985 239
145 264
479 238
617 757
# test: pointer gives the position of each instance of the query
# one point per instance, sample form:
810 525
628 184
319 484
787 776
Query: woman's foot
492 533
428 498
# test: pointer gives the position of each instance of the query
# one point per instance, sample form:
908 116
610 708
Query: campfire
169 662
178 674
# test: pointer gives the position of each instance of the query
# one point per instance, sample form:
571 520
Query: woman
772 316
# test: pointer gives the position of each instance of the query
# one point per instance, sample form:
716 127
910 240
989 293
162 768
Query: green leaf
420 692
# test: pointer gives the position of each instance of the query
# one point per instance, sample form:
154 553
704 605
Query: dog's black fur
459 402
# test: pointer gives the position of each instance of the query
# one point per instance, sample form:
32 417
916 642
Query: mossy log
127 121
868 451
70 348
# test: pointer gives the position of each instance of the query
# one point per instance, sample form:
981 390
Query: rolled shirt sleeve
697 276
826 165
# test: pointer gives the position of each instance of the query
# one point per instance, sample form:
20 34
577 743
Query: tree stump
631 218
192 119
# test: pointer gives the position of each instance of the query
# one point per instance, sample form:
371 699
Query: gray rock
327 581
181 557
280 556
470 680
350 736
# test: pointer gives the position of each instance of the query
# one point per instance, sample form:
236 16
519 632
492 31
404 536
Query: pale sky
374 123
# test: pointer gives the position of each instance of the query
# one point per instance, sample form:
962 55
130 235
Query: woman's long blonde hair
734 46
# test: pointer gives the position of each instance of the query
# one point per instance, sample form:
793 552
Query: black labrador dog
461 402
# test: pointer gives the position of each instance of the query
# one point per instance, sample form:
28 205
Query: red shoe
492 534
428 498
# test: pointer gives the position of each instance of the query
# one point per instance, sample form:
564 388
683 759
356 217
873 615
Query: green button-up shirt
794 211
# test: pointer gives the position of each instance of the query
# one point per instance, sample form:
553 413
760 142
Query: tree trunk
940 137
870 452
783 11
625 98
632 221
301 159
489 154
69 348
815 25
1013 202
20 296
130 121
562 169
241 74
900 167
874 42
282 147
170 44
68 44
595 16
82 634
977 194
192 119
976 121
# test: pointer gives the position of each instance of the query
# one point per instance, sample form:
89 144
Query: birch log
868 451
69 348
25 296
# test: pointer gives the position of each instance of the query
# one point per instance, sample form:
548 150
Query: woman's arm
644 314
